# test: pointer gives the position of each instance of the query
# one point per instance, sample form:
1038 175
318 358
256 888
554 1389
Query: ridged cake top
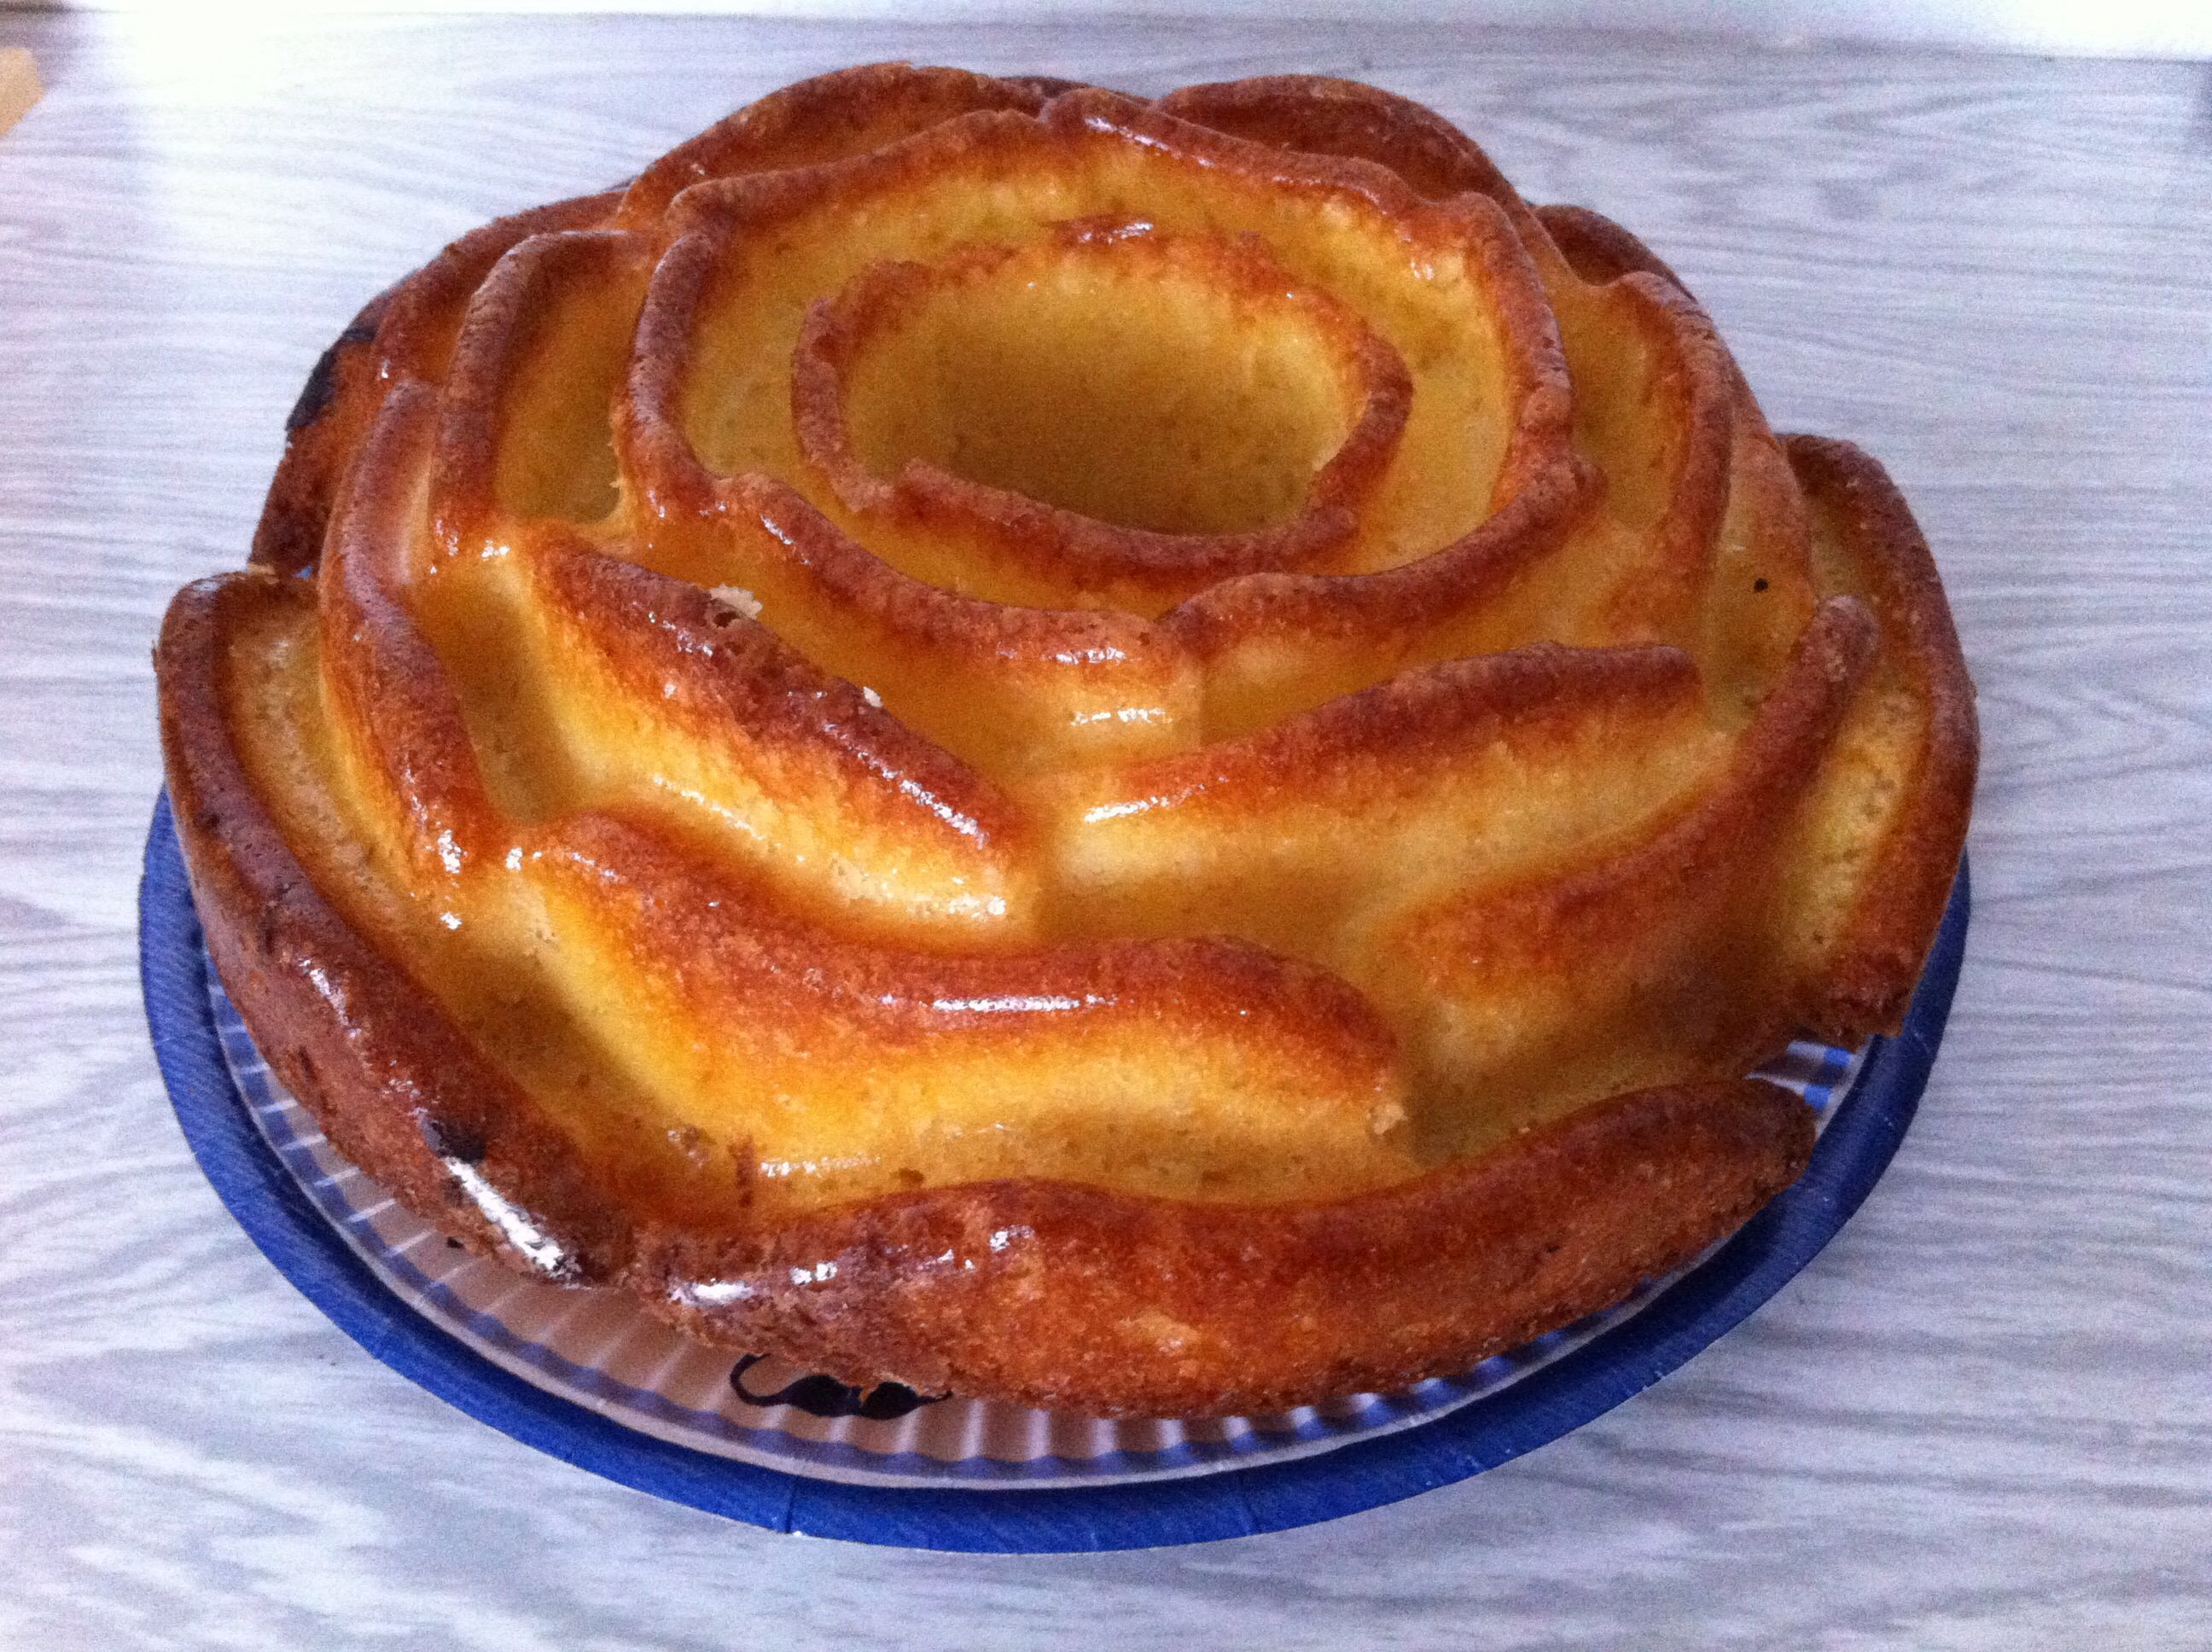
961 630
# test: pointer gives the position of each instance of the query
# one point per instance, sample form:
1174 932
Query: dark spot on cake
315 396
449 1141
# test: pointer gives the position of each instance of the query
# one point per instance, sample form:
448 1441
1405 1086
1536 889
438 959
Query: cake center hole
1120 380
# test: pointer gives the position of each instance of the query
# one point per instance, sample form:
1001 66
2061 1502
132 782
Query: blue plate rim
1856 1147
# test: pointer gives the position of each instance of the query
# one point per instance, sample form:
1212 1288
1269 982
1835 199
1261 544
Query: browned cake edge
1057 1295
1871 972
394 1085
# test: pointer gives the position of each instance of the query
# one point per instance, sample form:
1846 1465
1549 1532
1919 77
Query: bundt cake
1158 757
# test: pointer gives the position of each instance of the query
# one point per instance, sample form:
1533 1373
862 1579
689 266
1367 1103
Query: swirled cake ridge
1160 755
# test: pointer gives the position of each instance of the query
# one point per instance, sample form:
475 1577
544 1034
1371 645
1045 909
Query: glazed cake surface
1157 756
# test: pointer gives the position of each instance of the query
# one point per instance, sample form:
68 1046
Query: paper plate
590 1377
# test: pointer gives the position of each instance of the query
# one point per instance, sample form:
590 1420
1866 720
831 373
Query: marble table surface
1982 1418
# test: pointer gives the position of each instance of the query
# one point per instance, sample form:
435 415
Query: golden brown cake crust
1449 1115
392 1082
1055 1294
1871 978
